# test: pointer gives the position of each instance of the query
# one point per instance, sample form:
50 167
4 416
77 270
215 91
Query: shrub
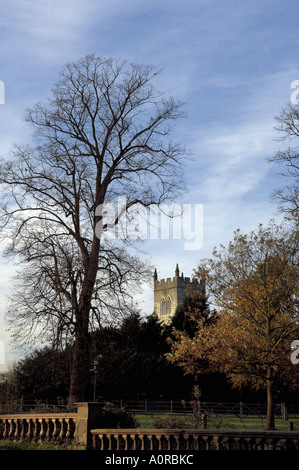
201 421
114 417
175 422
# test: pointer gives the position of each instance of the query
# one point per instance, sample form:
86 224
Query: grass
17 445
251 423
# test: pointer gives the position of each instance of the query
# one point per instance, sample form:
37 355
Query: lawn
251 423
17 445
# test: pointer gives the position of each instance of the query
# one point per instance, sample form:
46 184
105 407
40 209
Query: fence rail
238 409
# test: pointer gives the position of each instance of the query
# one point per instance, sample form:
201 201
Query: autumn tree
104 135
254 283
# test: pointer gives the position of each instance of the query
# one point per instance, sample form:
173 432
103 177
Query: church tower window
168 305
163 306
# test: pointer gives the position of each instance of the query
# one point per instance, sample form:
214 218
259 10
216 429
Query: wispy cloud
231 62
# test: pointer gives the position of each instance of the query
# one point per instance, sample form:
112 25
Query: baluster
207 441
225 442
186 440
249 444
127 441
68 428
218 440
193 441
101 438
23 429
62 428
151 439
177 441
143 440
36 429
199 442
118 441
232 443
110 437
237 445
29 429
56 428
6 429
273 443
259 443
94 441
134 438
42 428
18 428
167 441
239 441
49 423
12 426
72 427
295 443
174 442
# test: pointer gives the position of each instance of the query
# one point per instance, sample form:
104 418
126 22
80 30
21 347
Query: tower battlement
169 293
177 280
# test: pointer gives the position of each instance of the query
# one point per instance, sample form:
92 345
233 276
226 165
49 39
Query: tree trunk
81 361
79 374
270 419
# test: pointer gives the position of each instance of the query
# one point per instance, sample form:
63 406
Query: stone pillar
88 414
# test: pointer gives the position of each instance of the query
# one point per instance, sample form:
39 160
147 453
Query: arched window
168 305
162 306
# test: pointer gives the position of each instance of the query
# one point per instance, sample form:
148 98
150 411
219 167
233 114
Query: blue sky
232 64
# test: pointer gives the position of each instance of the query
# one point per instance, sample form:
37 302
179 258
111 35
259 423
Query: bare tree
104 133
288 129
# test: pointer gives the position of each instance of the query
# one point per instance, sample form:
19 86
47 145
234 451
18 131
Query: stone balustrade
38 427
63 427
82 428
193 440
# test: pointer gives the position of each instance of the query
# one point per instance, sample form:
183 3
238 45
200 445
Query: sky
230 62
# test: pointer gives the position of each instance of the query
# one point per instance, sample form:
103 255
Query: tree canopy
254 284
103 135
287 159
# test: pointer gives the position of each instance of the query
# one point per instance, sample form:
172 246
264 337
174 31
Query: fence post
284 412
87 419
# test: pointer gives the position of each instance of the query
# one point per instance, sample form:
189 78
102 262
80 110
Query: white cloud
236 163
231 64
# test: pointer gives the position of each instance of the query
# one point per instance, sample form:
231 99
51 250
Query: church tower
171 292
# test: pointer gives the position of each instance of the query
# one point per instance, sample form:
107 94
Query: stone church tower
171 292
